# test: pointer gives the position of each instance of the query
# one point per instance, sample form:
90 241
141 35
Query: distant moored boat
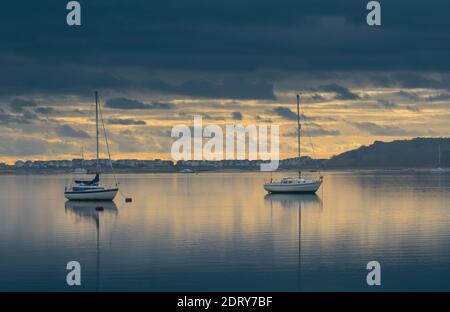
187 170
439 169
79 171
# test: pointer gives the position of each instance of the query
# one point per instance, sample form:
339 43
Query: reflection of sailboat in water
293 200
91 211
296 201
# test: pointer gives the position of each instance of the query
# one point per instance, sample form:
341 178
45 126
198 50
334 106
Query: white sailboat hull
307 187
439 170
104 194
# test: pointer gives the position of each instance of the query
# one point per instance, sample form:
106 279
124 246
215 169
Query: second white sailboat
291 184
92 189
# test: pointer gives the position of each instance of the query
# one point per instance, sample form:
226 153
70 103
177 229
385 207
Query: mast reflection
91 211
296 201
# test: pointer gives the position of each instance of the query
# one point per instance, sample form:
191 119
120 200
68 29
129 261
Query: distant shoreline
146 171
418 154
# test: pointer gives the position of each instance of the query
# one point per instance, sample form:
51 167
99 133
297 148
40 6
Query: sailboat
92 189
80 170
293 184
439 169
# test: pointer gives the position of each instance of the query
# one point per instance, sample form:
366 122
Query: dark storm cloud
413 108
236 115
285 113
10 119
439 97
68 131
232 87
123 103
22 118
413 80
28 76
18 105
341 92
126 122
316 98
121 46
30 116
78 111
43 110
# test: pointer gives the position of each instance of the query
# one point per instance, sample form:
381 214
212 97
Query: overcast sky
158 63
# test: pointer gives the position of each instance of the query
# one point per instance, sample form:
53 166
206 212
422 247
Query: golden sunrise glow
334 125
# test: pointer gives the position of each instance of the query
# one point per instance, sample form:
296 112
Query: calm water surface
219 231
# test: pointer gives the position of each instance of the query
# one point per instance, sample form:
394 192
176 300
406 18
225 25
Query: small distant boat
79 171
439 169
290 184
187 171
91 189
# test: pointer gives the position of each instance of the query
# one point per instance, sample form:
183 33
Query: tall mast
96 124
298 131
82 156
